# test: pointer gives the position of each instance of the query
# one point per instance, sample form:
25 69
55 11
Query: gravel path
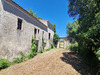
54 62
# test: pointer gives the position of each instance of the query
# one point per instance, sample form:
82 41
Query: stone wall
14 41
50 30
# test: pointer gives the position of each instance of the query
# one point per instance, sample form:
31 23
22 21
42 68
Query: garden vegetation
84 33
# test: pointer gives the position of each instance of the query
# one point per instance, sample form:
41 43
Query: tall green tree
72 30
55 37
87 33
34 14
54 28
31 12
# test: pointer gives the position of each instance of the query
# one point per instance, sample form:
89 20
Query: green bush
16 61
74 47
20 59
55 39
98 55
55 36
4 63
52 45
41 50
68 47
23 57
32 52
48 49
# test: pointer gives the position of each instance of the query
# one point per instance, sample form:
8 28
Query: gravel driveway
54 62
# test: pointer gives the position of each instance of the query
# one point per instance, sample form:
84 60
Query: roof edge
12 2
50 23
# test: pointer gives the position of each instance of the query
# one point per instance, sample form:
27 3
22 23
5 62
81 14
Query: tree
86 32
68 28
54 28
55 37
31 12
35 15
72 30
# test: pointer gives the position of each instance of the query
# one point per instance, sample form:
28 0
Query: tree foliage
54 28
34 14
55 37
86 29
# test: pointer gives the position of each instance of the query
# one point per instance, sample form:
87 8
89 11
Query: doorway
61 44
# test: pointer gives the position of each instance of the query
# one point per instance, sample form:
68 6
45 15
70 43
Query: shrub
74 47
98 55
32 52
68 47
23 57
55 39
52 45
20 59
41 50
4 63
16 61
48 49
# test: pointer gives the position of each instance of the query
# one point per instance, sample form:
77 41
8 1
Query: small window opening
19 24
38 31
35 33
49 35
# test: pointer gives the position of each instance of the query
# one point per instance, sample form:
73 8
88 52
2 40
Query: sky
56 11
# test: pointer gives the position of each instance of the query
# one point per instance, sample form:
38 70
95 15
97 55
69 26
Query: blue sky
53 10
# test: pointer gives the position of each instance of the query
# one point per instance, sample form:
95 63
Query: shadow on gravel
73 59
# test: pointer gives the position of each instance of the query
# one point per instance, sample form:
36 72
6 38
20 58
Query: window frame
19 24
49 36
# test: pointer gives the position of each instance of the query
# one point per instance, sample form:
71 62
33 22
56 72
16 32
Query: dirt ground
54 62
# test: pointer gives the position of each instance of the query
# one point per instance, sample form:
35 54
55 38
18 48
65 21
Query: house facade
17 27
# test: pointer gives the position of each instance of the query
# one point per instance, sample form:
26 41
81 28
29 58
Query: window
49 36
19 24
38 31
35 33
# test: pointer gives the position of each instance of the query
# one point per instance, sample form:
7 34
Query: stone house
17 27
